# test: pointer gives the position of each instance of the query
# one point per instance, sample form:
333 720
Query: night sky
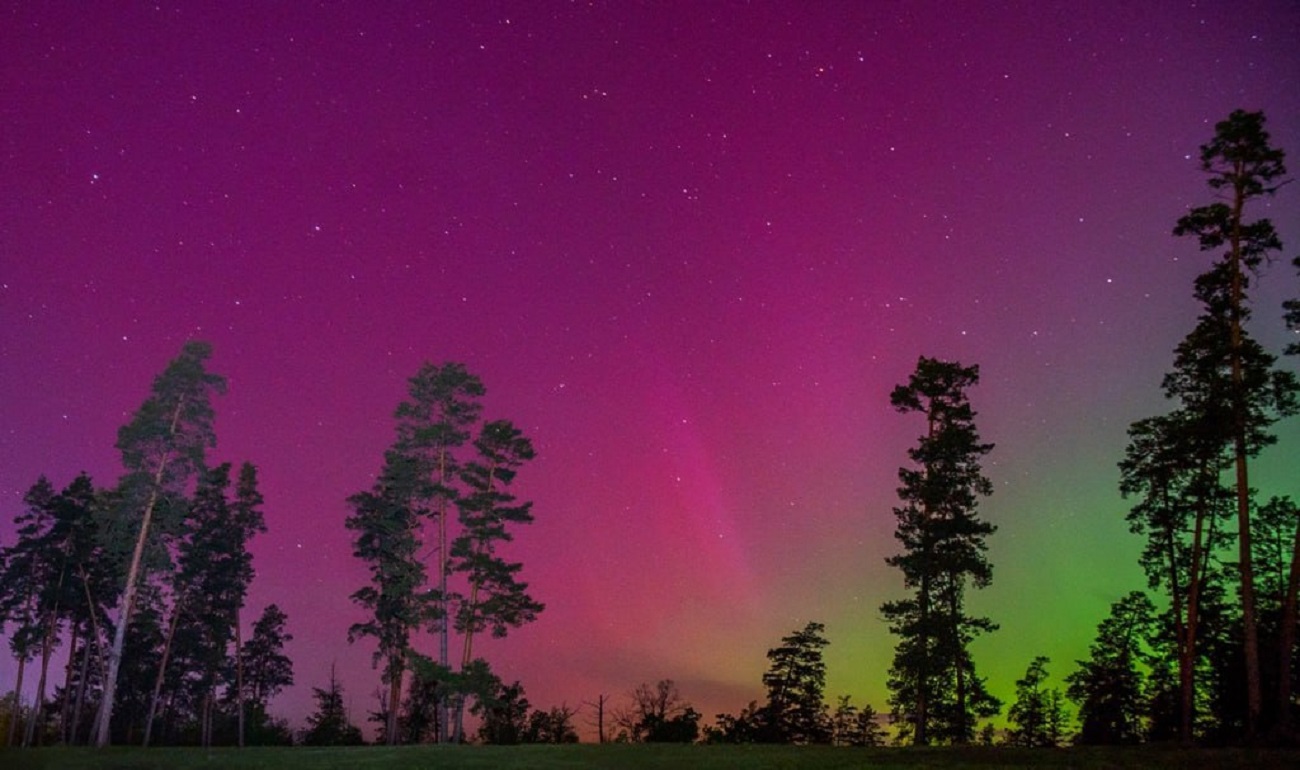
688 247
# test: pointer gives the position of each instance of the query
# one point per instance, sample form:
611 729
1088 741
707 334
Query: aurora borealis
688 247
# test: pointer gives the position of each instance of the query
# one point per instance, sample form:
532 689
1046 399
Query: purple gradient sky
689 247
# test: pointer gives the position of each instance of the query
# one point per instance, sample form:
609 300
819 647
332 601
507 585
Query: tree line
145 581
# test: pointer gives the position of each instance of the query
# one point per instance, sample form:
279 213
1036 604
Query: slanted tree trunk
17 707
162 671
128 599
30 737
75 734
65 715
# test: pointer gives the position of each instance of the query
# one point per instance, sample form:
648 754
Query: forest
124 605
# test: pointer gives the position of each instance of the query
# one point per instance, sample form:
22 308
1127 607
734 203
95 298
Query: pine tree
795 680
935 691
267 670
385 521
504 716
432 427
496 600
329 724
1037 714
1109 687
28 595
163 448
853 726
1240 162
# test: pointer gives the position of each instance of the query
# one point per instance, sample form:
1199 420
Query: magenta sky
689 247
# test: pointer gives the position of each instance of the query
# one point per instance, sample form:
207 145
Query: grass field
637 756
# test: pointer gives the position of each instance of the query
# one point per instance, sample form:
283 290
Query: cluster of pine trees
1218 664
145 582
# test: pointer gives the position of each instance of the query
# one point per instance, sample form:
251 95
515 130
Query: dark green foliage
418 720
556 726
1109 687
52 577
432 426
424 477
141 656
329 724
851 726
385 522
795 680
1242 167
497 600
267 670
504 716
214 570
935 692
163 449
1227 395
507 718
1037 717
746 727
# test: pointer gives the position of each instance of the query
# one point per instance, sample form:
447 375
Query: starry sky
688 247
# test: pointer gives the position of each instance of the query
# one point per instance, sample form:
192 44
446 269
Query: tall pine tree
433 426
163 449
935 692
385 521
1242 165
796 678
496 600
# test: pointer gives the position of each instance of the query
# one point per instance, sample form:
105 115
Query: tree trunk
960 663
65 715
444 653
922 734
18 703
94 627
80 706
30 738
239 680
162 671
128 599
1286 641
1250 630
1187 653
394 700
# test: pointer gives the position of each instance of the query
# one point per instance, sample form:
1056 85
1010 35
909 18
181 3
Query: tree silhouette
432 427
1037 715
935 692
385 521
1241 163
1109 687
329 724
163 448
496 600
795 679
